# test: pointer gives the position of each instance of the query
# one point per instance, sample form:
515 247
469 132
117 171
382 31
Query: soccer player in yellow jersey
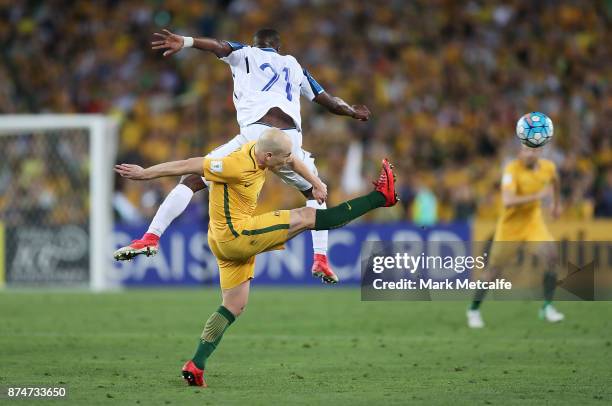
526 181
236 236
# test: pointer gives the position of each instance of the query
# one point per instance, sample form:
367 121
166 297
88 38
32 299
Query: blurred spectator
424 207
603 206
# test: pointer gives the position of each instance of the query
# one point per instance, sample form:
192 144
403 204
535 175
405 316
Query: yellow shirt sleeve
223 170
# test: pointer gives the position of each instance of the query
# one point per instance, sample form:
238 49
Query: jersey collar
269 50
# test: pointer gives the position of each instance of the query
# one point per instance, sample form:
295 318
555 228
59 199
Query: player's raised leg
271 230
384 195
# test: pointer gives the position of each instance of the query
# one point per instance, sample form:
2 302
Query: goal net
55 200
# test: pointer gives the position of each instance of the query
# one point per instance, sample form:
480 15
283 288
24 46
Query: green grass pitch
304 346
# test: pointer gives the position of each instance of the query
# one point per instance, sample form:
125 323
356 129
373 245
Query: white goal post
101 143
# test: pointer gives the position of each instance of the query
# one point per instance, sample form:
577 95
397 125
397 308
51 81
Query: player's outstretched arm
319 189
173 168
172 43
338 106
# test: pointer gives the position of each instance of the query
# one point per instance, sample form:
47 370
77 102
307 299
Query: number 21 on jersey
274 79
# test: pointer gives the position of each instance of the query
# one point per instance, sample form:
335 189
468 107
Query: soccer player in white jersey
267 89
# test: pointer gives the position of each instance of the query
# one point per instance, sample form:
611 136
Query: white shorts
252 133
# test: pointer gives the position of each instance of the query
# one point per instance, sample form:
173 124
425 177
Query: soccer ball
534 129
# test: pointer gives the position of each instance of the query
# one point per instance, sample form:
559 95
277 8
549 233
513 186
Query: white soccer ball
534 129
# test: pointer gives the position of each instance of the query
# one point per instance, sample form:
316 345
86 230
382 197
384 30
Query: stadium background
445 82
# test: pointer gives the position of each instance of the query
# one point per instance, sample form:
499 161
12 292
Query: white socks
175 203
319 238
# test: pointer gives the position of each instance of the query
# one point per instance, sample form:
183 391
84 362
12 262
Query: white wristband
187 42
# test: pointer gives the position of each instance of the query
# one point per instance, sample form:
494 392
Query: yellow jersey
525 221
236 184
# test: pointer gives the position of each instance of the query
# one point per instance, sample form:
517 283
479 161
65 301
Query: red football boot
321 269
386 183
148 245
193 375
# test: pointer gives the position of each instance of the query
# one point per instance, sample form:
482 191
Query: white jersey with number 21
264 79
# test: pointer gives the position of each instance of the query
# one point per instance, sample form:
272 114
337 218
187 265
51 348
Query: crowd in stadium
445 85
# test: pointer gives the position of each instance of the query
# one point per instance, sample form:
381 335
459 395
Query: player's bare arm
319 189
510 198
172 43
173 168
338 106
